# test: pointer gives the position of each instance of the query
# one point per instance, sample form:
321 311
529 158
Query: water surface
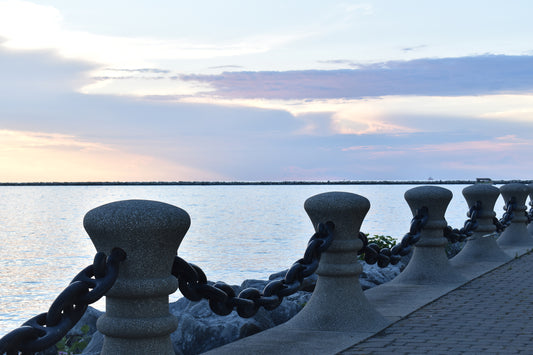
237 232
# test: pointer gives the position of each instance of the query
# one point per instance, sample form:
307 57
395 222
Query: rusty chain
385 256
46 329
459 235
222 298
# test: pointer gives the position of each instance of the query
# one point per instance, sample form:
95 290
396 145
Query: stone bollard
481 246
137 318
429 264
530 225
516 233
338 302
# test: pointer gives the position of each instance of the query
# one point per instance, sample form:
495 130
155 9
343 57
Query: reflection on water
237 232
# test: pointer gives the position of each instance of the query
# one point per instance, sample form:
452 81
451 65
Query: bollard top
136 215
435 198
150 231
487 194
517 190
346 210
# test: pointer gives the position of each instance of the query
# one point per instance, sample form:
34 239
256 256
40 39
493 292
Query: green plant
382 241
74 344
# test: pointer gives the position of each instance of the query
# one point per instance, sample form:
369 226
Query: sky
265 90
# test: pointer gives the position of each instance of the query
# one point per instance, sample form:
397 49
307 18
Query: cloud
103 78
49 75
476 75
58 124
29 26
141 70
347 62
43 157
226 67
61 134
496 145
414 48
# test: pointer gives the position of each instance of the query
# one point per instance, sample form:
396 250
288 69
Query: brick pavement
492 314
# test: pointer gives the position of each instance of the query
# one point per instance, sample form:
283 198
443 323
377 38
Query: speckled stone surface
481 246
429 263
137 318
338 302
516 234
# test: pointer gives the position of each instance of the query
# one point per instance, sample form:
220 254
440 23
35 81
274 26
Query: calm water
237 232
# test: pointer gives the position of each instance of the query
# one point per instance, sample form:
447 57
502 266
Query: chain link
46 329
385 256
222 298
459 235
507 217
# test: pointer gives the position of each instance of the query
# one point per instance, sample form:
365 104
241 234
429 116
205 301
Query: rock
199 329
89 318
452 249
95 345
373 275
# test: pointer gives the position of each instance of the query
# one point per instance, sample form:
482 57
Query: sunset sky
265 90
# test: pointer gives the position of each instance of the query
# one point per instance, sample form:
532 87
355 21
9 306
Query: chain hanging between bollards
222 299
46 329
385 256
507 217
459 235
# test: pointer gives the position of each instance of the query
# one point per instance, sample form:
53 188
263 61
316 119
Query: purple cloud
476 75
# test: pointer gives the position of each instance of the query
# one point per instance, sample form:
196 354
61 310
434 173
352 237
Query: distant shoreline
217 183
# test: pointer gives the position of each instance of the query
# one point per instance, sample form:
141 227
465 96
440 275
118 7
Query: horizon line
284 182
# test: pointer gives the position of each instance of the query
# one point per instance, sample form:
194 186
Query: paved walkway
492 314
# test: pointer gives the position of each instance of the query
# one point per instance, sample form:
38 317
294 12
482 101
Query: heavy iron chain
46 329
507 217
222 299
458 235
385 256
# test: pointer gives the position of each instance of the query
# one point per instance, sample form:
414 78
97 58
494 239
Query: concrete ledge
279 340
394 302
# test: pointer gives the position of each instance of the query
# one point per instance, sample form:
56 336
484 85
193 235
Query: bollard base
515 235
429 266
120 346
328 309
479 250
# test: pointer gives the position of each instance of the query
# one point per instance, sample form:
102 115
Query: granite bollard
482 245
429 263
516 234
338 302
137 318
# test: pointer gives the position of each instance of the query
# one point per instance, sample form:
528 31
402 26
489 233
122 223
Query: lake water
237 232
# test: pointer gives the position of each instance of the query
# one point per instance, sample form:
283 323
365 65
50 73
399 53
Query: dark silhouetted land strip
218 183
